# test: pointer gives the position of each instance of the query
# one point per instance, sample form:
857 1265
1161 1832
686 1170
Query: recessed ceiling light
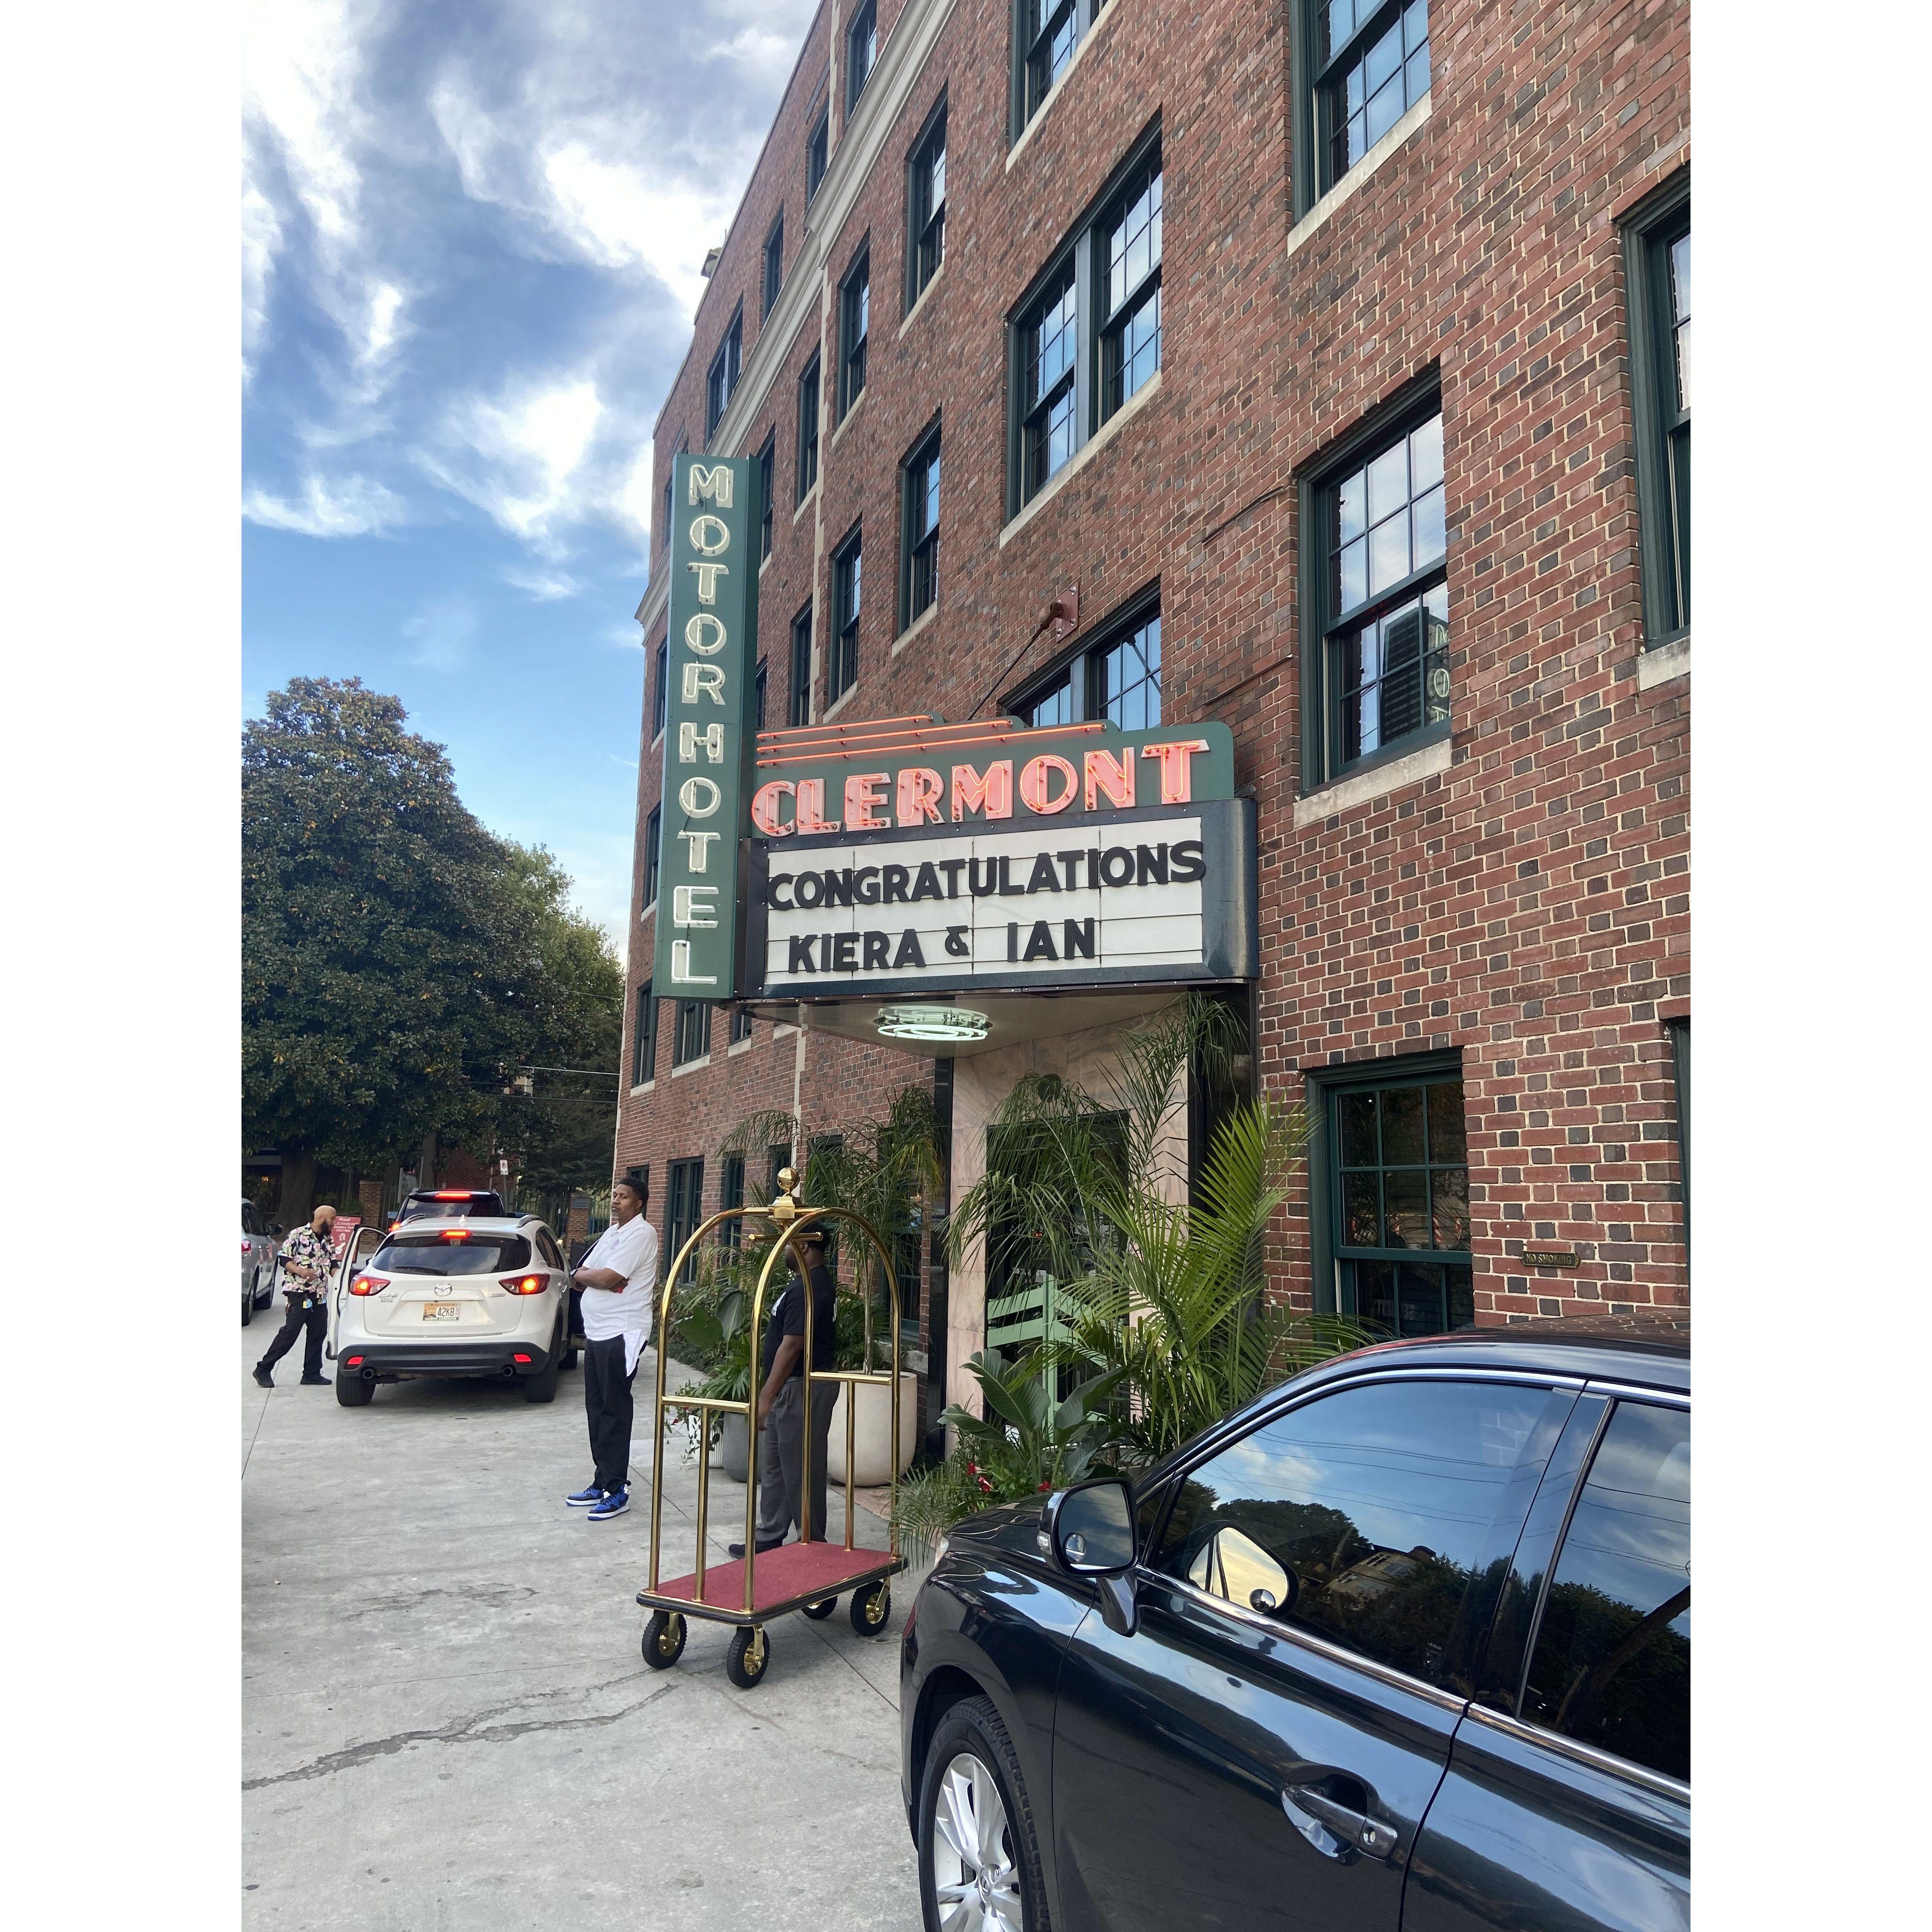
931 1023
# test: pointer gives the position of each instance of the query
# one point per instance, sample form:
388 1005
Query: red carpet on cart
796 1570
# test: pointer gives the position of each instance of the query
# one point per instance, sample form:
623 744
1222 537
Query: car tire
541 1387
569 1360
352 1391
248 1303
749 1657
971 1763
663 1639
869 1608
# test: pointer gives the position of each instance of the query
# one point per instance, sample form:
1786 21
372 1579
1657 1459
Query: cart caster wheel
663 1639
819 1611
871 1608
745 1661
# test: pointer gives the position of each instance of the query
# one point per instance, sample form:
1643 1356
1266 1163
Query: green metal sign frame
710 731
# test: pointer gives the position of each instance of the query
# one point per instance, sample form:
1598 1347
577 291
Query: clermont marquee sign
708 736
908 855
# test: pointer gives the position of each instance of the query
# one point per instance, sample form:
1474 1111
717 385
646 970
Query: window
1364 1516
1095 313
731 1192
1369 59
807 430
644 1038
1611 1664
693 1039
862 49
1657 274
855 317
768 464
759 686
725 367
660 697
774 267
801 668
1117 678
777 1160
653 827
1046 33
817 148
741 1024
846 574
1129 279
684 1210
1376 594
1398 1181
925 205
919 529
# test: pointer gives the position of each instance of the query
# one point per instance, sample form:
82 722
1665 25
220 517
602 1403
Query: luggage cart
809 1577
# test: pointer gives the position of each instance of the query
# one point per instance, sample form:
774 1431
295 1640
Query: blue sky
472 239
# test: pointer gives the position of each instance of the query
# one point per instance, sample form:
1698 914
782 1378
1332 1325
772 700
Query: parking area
447 1721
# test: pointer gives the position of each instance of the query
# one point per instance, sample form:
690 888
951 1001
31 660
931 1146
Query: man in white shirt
619 1278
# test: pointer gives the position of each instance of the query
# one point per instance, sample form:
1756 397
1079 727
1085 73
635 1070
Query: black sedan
1404 1644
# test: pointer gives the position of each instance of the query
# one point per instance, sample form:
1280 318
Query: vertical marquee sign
709 729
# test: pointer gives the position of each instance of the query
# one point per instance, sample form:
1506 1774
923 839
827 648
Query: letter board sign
1148 896
709 741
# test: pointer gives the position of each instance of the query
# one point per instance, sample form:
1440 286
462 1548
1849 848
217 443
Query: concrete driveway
447 1720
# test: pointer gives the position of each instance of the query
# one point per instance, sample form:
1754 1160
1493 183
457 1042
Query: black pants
607 1408
312 1311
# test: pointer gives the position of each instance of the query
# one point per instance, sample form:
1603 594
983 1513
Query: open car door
362 1245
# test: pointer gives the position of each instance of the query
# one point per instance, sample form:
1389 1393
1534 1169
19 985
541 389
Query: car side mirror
1090 1530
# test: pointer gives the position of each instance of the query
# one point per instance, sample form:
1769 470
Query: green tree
396 957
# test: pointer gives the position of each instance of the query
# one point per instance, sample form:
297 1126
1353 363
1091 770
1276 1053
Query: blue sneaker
615 1503
586 1498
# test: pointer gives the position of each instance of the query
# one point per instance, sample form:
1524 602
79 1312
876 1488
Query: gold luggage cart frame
806 1575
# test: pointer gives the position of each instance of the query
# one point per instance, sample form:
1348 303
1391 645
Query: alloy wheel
975 1882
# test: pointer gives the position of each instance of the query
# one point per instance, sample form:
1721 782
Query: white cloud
519 457
545 586
443 631
352 506
633 502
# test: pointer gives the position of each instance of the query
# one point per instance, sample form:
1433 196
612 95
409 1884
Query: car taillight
369 1284
246 1245
456 1233
522 1361
524 1284
354 1361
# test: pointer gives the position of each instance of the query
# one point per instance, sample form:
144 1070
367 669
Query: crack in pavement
474 1730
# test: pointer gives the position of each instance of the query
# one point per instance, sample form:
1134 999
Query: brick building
1322 372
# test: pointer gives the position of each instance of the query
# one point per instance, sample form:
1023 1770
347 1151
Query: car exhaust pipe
368 1375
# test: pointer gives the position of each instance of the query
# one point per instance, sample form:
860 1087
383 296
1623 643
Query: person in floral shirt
307 1256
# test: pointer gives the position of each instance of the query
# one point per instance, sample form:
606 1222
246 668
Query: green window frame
1046 34
726 367
926 204
862 51
1389 1194
919 527
684 1208
1117 677
653 835
731 1194
660 696
1375 592
808 431
768 466
774 275
842 671
855 324
817 151
644 1038
693 1039
1657 287
800 713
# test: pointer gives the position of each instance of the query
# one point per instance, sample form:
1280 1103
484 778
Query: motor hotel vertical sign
709 742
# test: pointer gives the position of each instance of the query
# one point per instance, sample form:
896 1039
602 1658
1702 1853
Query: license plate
442 1311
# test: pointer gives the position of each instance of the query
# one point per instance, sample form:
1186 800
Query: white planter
732 1455
872 1432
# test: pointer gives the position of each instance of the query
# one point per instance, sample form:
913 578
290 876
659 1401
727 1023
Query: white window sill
1081 457
804 502
845 697
782 1028
1359 788
690 1065
912 312
648 1086
738 1046
850 413
1059 87
647 912
917 625
1667 661
1357 178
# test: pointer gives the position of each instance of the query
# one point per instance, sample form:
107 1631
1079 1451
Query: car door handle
1343 1827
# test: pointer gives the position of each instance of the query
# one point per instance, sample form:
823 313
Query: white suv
452 1294
259 1258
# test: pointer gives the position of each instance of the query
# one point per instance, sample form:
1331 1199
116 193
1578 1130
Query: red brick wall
1529 905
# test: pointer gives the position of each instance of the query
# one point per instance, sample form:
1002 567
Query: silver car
260 1258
